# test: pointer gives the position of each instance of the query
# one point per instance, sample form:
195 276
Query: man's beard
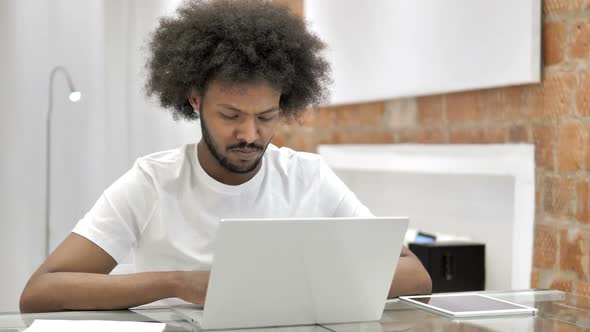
225 163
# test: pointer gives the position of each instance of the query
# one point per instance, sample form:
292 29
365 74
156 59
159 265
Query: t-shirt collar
222 187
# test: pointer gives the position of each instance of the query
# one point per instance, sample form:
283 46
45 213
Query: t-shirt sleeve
335 197
117 219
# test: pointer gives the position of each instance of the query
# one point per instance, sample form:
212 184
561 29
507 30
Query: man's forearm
410 277
88 291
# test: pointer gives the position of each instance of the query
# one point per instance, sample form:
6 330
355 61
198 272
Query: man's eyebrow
229 107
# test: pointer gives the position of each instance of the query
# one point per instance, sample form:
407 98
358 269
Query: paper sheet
43 325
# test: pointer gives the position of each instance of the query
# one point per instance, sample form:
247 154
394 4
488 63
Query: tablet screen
472 302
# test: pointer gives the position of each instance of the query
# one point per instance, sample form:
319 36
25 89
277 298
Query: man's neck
214 169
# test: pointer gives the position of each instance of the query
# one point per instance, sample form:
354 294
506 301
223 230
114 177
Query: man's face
238 122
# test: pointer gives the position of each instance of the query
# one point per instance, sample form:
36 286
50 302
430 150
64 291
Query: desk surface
558 311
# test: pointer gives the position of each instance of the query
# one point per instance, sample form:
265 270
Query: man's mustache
244 145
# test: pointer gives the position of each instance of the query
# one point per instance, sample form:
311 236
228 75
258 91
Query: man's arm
411 278
75 277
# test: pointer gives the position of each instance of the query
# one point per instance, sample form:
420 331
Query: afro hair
236 41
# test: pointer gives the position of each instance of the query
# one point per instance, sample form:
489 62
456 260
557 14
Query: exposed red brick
304 140
579 6
295 6
354 136
582 290
535 278
545 246
562 284
401 113
369 114
552 98
558 326
558 195
570 148
561 7
580 39
503 104
372 111
543 140
495 135
552 7
507 104
305 120
583 94
464 107
583 204
345 116
279 139
518 134
572 253
424 136
492 104
431 110
553 42
467 136
318 118
324 118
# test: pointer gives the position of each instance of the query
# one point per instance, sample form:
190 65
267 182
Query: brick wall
553 115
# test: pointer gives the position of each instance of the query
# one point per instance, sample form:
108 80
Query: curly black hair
235 41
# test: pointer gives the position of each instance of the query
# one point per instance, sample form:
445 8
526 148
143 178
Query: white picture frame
385 49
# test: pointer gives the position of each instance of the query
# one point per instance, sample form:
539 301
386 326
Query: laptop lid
277 272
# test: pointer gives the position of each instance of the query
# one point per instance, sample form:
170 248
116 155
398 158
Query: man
241 67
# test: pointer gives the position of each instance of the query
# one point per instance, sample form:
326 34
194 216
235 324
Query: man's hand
411 278
192 286
76 277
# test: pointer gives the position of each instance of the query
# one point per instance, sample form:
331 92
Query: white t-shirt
165 211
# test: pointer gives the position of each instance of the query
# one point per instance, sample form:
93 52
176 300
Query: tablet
468 305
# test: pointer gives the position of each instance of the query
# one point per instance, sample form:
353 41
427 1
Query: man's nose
247 131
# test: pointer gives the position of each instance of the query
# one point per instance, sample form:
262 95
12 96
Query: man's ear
194 98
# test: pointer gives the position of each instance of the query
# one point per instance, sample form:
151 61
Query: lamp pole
74 96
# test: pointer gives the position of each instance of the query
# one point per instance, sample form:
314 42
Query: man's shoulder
284 154
289 161
167 156
165 162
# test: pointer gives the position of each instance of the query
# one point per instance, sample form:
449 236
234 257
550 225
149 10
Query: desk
558 311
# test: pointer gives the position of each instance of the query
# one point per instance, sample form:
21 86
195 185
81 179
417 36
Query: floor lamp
74 96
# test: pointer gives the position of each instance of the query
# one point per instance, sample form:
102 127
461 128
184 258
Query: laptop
287 272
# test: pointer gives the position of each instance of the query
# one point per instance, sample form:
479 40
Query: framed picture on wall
384 49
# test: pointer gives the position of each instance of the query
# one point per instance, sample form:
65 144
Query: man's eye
266 119
229 117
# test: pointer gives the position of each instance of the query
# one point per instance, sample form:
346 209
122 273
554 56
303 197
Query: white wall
78 153
94 140
22 103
